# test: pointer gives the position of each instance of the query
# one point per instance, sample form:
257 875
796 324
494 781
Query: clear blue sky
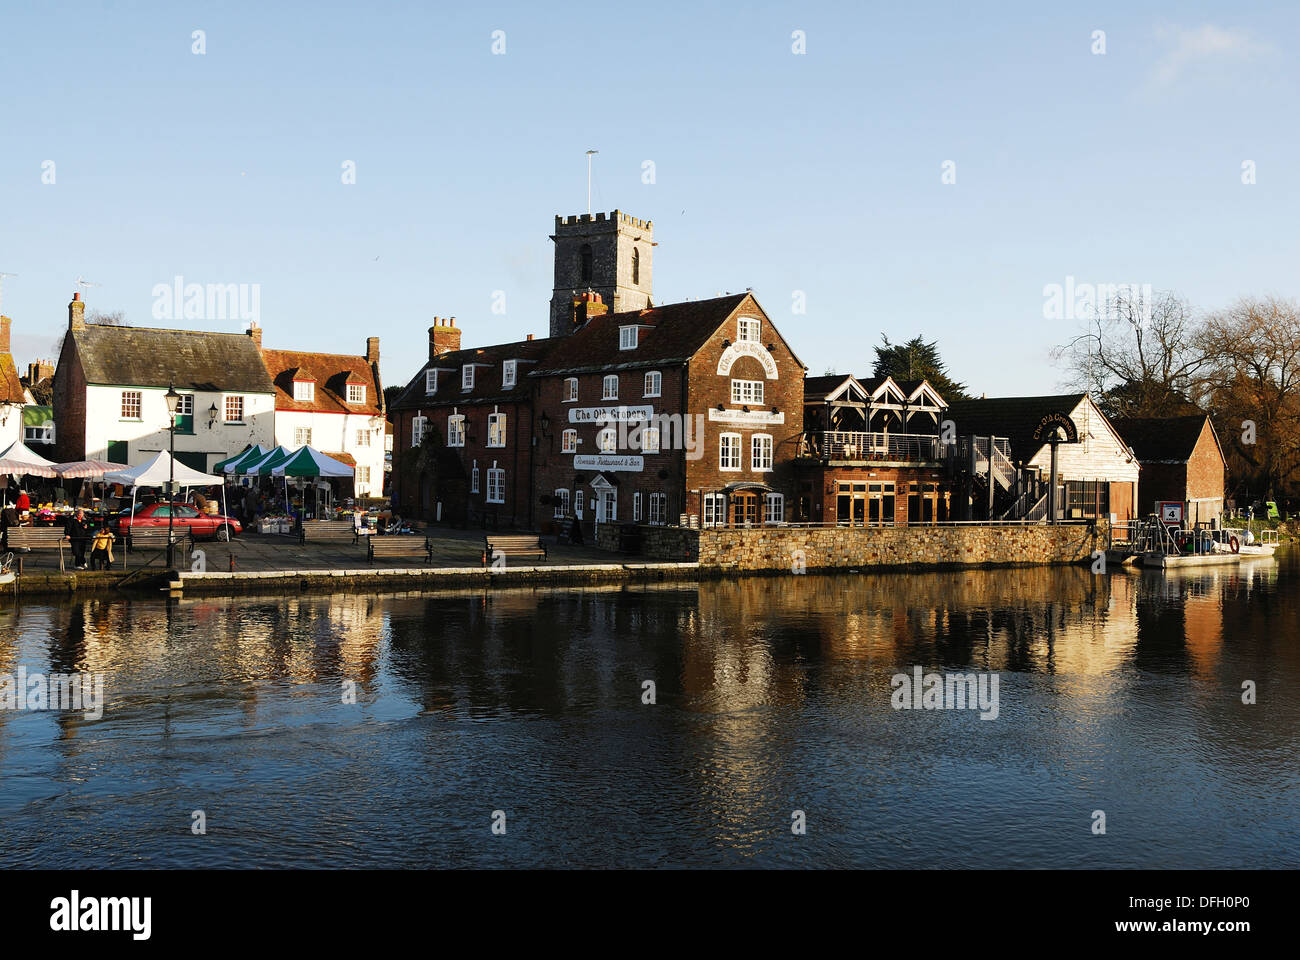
818 172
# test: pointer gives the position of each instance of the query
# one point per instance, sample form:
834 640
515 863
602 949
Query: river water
345 730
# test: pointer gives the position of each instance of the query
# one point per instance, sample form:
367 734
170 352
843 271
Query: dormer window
304 391
747 328
356 393
430 382
467 377
509 370
627 337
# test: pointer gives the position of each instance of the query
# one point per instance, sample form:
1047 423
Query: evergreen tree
917 360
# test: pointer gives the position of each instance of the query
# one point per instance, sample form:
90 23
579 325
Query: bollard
232 563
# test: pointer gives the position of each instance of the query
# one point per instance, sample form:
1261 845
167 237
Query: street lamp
173 400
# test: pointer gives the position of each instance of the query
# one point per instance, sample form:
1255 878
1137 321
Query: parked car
154 516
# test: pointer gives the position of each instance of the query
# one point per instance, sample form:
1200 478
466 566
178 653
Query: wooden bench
27 539
399 545
516 546
155 539
331 531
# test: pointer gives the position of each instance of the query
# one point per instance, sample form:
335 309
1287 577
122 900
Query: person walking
78 531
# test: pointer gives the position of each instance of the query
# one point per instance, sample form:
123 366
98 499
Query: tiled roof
1161 439
1012 417
189 359
331 372
11 385
488 373
680 329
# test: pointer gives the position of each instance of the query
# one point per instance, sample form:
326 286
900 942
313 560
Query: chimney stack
372 349
255 332
444 337
5 324
38 370
77 313
587 306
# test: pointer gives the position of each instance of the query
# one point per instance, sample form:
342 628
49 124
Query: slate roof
487 378
1012 417
152 357
679 330
1161 439
331 373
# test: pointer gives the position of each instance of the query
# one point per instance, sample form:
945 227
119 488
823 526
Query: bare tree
110 318
1140 357
1256 390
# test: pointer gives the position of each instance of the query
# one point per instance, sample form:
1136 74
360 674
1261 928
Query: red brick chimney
255 332
444 337
587 306
77 313
372 349
5 324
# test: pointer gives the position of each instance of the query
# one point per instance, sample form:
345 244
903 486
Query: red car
184 516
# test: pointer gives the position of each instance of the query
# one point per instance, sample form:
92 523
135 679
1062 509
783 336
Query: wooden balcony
841 445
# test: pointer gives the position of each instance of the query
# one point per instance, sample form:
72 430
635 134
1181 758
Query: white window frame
653 387
418 427
496 484
356 393
730 442
761 453
607 440
430 382
627 337
713 511
496 435
363 438
774 508
135 397
649 437
363 474
467 377
473 478
609 387
304 391
747 391
750 329
658 508
636 507
569 441
226 401
570 389
509 373
561 500
299 433
456 430
579 502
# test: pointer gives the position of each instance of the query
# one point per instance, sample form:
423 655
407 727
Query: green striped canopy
231 462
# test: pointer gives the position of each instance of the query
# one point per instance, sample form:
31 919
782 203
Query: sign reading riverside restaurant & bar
619 414
608 461
742 417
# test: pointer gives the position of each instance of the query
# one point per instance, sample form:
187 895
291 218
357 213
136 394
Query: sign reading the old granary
618 414
1051 422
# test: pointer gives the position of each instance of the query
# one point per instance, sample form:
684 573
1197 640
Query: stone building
609 255
1182 461
691 408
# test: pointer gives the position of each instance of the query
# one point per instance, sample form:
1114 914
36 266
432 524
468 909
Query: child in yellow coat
101 549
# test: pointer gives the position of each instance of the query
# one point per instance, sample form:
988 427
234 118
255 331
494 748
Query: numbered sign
1170 512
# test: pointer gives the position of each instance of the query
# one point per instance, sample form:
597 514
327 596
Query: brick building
1182 461
462 433
691 408
871 453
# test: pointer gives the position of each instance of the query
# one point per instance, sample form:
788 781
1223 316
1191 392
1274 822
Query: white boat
1245 542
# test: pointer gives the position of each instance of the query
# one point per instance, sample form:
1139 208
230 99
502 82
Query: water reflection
323 727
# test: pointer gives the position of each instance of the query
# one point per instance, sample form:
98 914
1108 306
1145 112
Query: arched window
636 266
584 261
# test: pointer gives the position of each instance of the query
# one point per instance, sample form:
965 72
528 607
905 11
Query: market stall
162 470
309 463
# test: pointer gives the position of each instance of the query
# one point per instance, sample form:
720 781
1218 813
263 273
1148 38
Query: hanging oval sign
1051 422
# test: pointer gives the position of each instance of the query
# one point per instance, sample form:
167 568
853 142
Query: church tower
609 254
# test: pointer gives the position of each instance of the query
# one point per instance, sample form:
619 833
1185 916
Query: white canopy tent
20 460
158 472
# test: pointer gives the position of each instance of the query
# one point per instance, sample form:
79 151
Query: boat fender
1236 547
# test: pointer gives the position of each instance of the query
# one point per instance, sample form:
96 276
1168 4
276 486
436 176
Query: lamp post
173 399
